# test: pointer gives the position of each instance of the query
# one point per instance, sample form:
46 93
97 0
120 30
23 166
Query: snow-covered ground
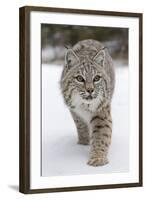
61 155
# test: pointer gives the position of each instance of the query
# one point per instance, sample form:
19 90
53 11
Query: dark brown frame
24 99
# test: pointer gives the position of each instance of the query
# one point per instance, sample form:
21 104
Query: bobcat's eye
96 78
80 78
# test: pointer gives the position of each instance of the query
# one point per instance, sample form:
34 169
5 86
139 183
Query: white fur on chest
83 109
84 114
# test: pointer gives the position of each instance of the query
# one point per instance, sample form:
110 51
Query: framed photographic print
80 99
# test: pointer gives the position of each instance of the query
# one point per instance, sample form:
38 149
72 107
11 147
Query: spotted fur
87 84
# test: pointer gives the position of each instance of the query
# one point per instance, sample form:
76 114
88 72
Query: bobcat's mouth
89 97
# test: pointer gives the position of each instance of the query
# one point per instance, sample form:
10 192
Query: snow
61 155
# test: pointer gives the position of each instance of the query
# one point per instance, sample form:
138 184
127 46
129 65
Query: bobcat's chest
83 114
84 110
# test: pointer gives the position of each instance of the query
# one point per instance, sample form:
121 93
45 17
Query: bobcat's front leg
101 131
82 129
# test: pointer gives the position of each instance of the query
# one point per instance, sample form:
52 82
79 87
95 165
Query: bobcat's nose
89 87
90 90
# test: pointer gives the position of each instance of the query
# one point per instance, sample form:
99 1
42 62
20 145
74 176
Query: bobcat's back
87 48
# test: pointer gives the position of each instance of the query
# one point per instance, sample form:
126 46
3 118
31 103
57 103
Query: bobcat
87 84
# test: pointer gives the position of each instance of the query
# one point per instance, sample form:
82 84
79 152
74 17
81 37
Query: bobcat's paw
97 161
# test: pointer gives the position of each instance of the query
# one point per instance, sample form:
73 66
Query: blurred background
55 38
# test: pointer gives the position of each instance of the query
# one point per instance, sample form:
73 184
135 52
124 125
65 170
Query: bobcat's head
84 78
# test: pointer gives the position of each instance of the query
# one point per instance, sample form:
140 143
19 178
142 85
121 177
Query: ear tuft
71 59
99 58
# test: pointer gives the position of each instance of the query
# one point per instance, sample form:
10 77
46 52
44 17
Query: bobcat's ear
71 59
99 58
